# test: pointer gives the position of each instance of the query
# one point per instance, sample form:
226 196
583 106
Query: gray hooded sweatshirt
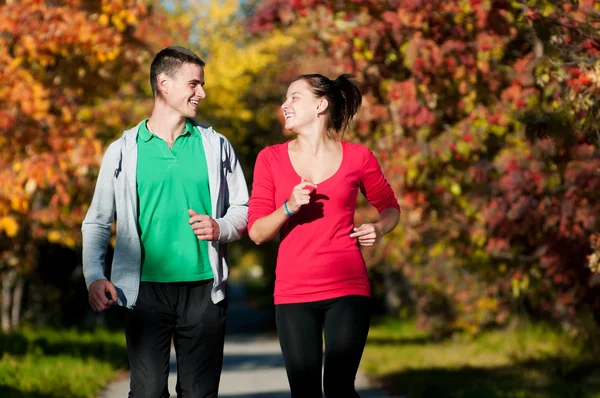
115 196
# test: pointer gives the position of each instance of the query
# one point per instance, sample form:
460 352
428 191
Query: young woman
306 190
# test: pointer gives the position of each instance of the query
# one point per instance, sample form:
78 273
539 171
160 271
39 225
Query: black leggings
345 323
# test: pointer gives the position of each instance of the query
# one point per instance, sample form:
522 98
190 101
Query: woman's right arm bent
265 228
265 217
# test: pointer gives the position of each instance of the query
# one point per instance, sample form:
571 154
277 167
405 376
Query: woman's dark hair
342 94
169 60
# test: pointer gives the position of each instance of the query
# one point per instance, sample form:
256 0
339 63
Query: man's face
185 90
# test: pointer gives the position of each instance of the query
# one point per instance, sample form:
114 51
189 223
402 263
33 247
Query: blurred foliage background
483 113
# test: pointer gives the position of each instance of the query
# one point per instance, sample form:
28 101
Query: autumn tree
73 74
484 116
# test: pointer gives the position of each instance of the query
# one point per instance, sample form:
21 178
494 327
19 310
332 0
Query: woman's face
300 108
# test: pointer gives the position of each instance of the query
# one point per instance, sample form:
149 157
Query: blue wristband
288 212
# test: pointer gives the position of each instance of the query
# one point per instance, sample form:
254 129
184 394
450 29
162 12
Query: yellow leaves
222 11
469 101
487 304
118 23
14 64
104 20
548 9
460 73
131 18
108 56
28 42
437 249
67 115
59 237
519 284
468 327
465 6
554 181
19 204
361 51
54 237
412 174
10 226
463 148
455 189
479 237
233 62
69 241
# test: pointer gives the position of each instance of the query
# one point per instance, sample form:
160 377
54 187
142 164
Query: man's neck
166 125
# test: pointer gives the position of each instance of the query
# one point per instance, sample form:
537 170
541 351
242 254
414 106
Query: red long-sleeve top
317 258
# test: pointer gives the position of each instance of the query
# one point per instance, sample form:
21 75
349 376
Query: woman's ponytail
342 94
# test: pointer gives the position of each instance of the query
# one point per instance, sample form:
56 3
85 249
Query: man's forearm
233 223
95 243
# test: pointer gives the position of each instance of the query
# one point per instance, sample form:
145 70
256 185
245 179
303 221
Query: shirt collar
190 129
146 135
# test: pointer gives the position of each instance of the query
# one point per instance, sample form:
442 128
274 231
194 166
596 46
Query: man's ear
162 82
322 105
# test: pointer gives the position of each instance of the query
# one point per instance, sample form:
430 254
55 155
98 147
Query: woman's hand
300 195
367 234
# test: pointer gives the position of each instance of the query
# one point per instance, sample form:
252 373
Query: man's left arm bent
234 222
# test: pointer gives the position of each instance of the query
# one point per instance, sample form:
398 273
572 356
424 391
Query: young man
179 195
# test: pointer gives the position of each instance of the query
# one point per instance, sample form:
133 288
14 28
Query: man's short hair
169 60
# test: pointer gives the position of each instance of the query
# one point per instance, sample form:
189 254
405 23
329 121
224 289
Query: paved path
252 368
252 365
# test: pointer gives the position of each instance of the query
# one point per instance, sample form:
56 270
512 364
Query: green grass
532 362
59 363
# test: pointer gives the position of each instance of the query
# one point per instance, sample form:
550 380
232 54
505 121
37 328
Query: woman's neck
314 145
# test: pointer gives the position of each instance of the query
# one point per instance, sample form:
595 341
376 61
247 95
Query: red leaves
403 96
498 246
423 56
391 19
448 83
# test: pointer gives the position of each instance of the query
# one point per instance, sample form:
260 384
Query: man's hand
102 295
367 234
205 227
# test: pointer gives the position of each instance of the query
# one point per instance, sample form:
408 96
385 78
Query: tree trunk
17 300
7 285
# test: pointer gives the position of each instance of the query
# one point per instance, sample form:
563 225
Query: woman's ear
322 105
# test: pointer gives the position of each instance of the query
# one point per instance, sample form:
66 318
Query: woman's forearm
265 228
388 219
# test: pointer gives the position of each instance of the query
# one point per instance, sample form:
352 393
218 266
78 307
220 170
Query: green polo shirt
169 182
